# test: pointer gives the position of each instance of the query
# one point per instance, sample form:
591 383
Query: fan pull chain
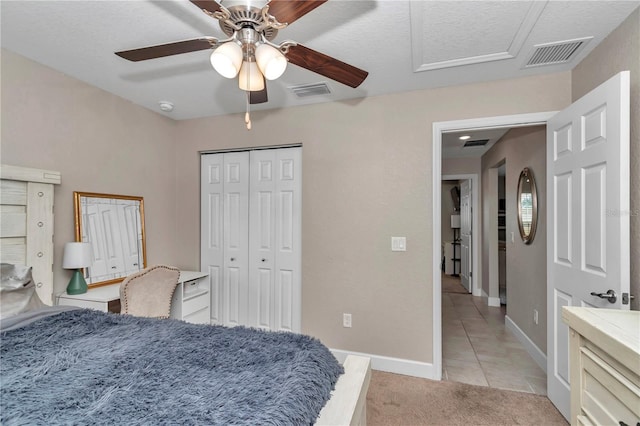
247 116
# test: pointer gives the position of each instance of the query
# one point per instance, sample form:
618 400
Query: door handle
610 295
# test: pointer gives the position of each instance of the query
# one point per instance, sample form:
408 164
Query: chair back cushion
148 293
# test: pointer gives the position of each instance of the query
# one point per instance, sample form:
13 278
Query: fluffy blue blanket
89 367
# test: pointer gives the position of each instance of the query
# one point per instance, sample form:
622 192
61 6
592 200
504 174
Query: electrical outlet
535 316
346 320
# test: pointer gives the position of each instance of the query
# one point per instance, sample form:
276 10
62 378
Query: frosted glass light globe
271 61
227 59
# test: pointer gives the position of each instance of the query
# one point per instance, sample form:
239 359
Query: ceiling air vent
306 90
555 53
477 142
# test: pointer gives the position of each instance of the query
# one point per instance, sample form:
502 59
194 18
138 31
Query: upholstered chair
148 293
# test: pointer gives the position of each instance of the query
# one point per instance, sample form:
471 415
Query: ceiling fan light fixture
250 78
271 61
227 59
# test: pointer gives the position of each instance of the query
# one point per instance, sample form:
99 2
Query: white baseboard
477 291
538 356
491 301
393 365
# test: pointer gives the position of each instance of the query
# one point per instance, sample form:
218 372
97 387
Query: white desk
191 299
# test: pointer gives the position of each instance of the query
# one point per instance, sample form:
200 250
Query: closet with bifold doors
250 243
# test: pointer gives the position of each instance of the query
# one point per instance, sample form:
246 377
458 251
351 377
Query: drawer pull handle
264 260
40 224
610 295
40 194
233 259
40 254
39 285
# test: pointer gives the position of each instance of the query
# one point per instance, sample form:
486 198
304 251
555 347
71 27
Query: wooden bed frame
348 403
27 238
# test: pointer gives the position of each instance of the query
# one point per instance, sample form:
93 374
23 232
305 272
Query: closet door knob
233 259
264 260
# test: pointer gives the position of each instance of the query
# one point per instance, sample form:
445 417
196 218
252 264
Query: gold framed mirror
527 206
114 226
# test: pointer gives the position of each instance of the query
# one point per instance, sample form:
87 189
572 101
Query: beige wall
526 285
99 142
620 51
366 177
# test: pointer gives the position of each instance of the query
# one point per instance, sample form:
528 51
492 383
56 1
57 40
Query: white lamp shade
227 59
271 61
455 221
77 255
250 78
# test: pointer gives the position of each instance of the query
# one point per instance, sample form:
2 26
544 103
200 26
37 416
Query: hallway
478 349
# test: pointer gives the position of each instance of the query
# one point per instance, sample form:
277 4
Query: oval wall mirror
527 206
114 225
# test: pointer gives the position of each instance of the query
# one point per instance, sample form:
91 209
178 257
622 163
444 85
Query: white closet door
236 237
275 239
225 237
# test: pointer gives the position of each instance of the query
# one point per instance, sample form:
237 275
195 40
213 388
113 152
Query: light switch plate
398 243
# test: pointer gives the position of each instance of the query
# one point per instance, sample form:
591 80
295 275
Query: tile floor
478 349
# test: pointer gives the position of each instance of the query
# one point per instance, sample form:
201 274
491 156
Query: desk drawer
200 317
195 304
194 287
606 391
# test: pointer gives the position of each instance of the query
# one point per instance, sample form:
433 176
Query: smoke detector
166 106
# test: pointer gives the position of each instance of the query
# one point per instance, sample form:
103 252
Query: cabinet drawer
194 287
195 304
200 317
606 391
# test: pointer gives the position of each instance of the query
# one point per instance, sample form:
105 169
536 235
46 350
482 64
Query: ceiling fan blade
326 65
287 11
208 5
259 97
168 49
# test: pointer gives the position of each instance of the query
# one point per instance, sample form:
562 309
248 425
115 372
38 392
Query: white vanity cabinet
192 298
605 365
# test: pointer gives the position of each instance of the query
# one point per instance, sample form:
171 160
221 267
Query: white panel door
588 217
211 230
274 265
465 234
235 277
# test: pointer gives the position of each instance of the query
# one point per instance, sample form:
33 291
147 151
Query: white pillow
17 290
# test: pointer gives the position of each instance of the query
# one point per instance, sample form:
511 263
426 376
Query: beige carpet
402 400
452 285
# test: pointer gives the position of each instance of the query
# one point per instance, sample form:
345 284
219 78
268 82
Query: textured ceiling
404 45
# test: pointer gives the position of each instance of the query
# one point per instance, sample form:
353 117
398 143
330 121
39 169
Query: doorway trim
475 179
440 127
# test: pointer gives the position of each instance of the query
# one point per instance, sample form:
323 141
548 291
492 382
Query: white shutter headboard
26 222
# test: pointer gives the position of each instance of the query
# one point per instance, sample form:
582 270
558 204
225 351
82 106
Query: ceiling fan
249 52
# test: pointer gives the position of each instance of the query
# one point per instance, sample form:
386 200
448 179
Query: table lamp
77 256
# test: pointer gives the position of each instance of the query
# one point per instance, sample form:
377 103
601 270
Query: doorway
512 121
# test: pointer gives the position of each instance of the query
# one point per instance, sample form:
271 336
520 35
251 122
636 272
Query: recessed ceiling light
465 137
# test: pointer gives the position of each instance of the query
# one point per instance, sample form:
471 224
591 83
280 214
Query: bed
63 365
